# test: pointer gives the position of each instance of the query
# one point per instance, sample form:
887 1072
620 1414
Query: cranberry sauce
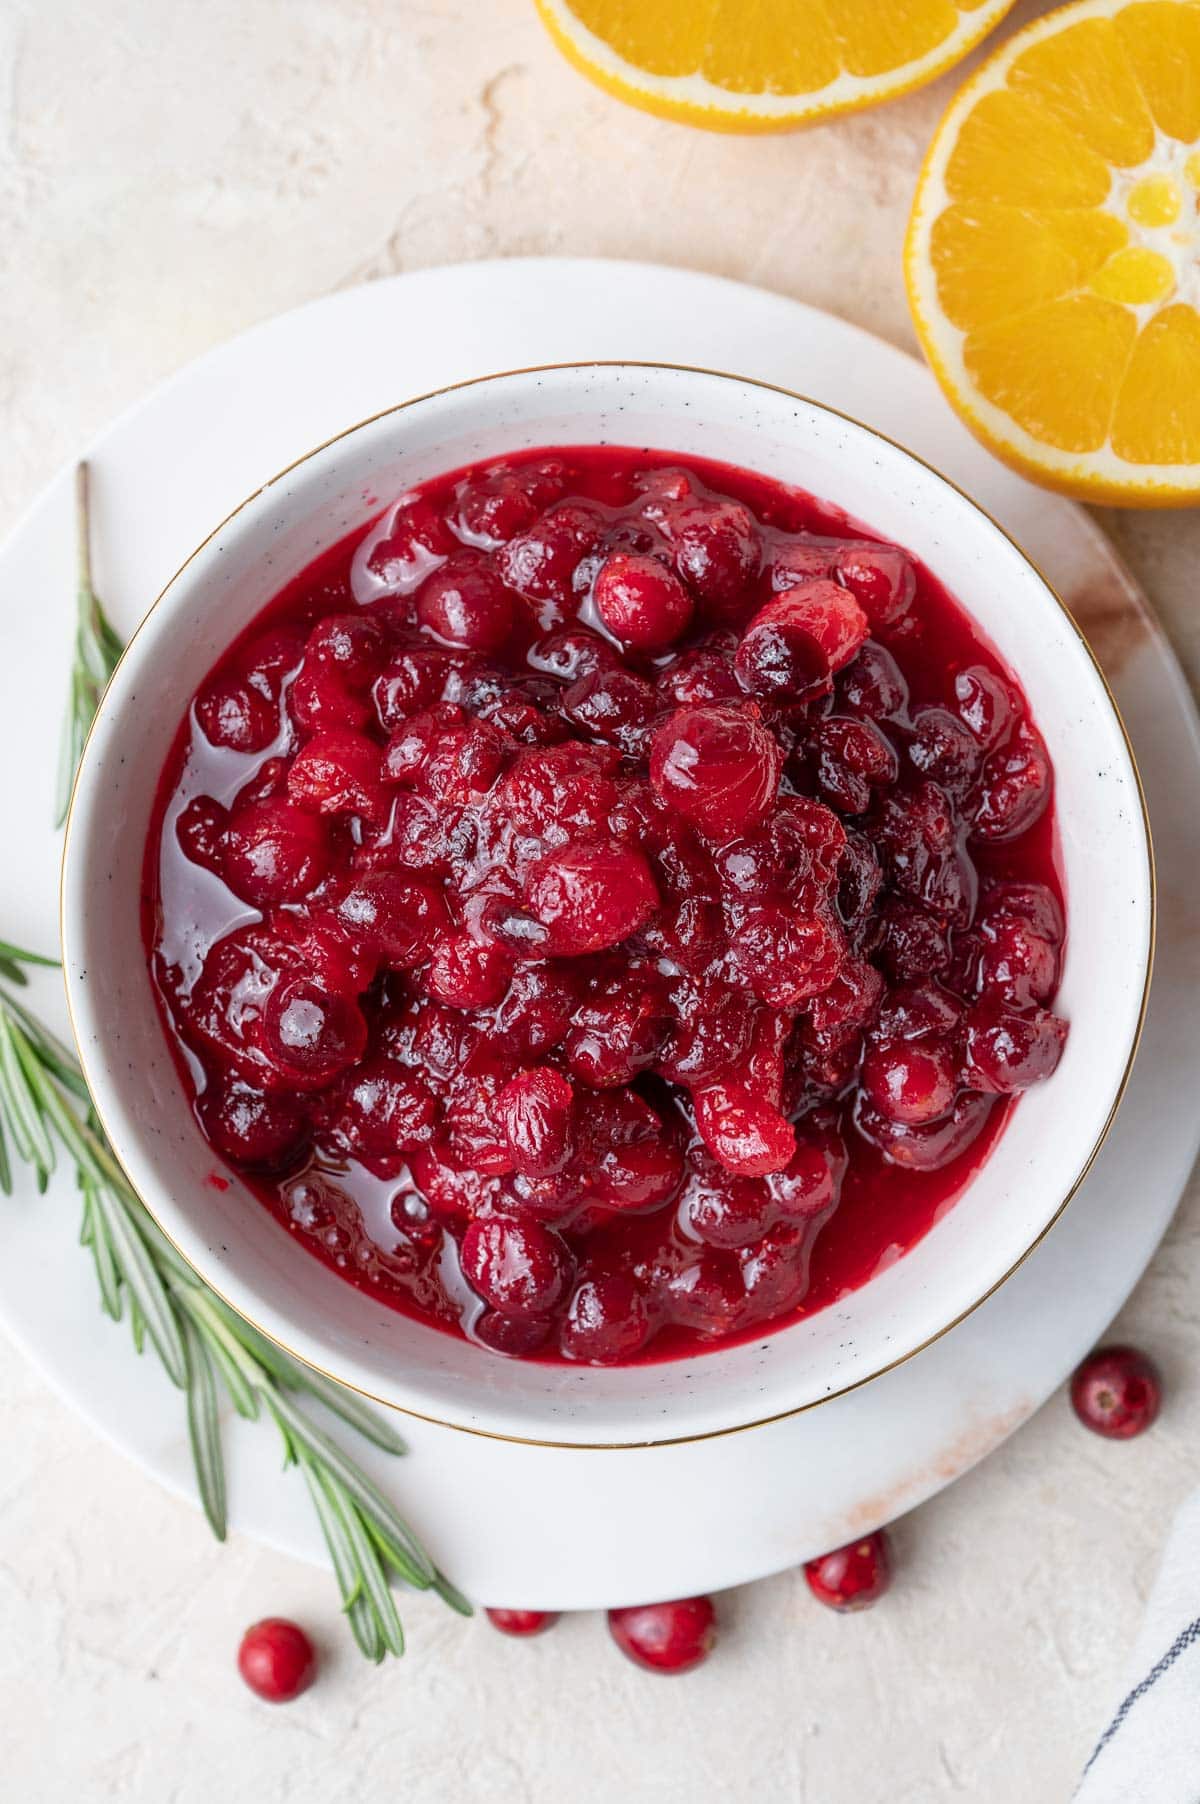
608 907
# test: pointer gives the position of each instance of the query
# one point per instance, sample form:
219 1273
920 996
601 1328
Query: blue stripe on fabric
1186 1638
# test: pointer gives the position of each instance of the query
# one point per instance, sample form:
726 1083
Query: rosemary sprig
97 648
204 1345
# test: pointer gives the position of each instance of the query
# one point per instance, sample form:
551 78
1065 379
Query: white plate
579 1528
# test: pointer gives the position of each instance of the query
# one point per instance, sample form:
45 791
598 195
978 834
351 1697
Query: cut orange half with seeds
764 65
1053 255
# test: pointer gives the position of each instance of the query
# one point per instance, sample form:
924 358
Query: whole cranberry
277 1660
616 705
352 644
250 1127
465 604
641 602
274 851
522 1622
672 1637
309 1034
910 1081
881 579
519 1267
235 715
799 640
607 1320
1116 1392
854 1576
1009 1049
718 766
339 772
465 972
396 916
534 1112
1015 786
591 896
717 551
742 1131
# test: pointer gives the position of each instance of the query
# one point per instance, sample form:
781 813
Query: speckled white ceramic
237 1246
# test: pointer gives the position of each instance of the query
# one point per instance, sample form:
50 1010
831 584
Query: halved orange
764 65
1053 254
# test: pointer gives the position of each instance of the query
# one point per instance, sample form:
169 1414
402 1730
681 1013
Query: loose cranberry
465 604
1116 1392
672 1637
519 1267
277 1660
852 1577
274 852
522 1622
640 602
607 1321
591 896
236 716
619 1031
534 1111
787 959
270 659
414 541
718 766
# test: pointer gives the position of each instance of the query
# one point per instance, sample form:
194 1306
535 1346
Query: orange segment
1023 366
1083 75
764 65
1012 148
1162 42
1053 254
993 261
1157 418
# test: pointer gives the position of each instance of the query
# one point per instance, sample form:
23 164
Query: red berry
799 640
274 851
910 1081
534 1111
309 1034
744 1133
522 1622
641 602
670 1637
466 604
718 766
881 579
277 1660
606 1322
1116 1392
519 1267
591 896
854 1576
233 714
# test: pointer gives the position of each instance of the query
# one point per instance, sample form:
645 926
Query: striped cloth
1149 1751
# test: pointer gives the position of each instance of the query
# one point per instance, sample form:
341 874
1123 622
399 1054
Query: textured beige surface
171 171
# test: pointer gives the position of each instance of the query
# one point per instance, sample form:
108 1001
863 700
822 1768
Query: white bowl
244 1253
